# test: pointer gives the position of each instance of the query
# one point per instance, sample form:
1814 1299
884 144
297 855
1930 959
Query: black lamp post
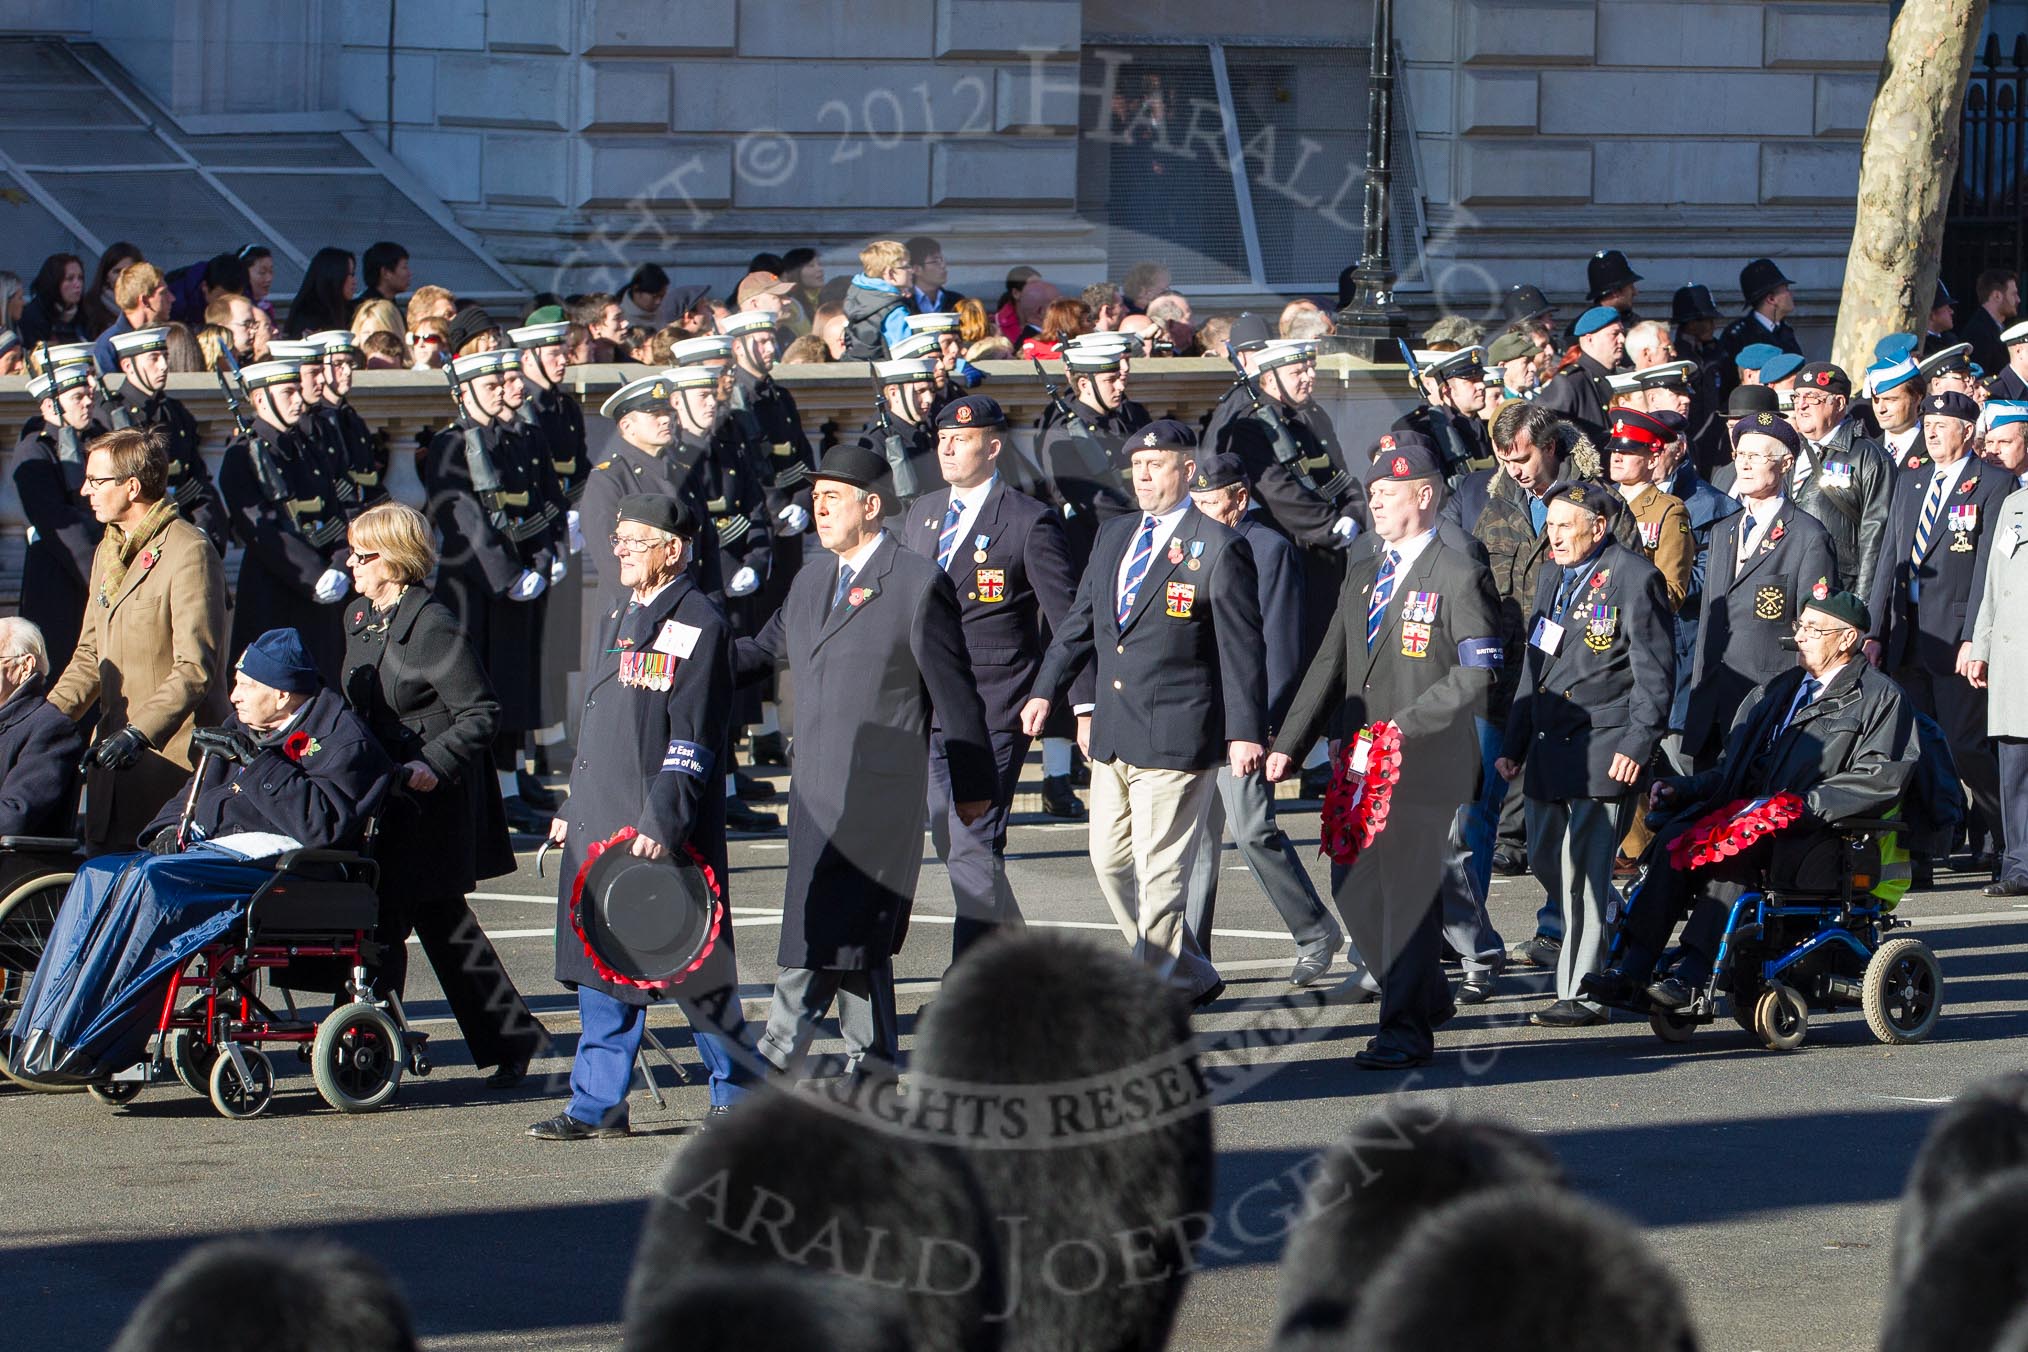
1369 324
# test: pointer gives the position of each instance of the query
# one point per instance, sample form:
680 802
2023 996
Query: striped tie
1383 592
947 544
1932 504
1137 567
844 582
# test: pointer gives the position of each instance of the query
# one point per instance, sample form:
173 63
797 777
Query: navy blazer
1009 600
1953 571
1186 673
39 752
1280 572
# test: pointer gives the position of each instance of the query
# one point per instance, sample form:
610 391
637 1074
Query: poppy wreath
1734 829
621 837
1356 804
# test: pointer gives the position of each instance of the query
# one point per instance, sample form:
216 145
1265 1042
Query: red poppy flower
295 745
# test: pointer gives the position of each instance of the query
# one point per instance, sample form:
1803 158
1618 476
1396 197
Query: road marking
759 915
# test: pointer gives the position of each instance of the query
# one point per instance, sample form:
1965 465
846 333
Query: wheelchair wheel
191 1057
240 1098
27 915
1671 1026
357 1059
1902 992
1781 1018
113 1093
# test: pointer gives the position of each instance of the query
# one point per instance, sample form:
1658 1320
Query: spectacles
360 558
1814 630
627 546
1754 457
100 481
1809 400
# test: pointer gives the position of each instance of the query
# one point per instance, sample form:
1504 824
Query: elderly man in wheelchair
1774 852
293 771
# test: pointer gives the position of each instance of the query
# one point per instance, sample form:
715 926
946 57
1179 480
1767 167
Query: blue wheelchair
1819 940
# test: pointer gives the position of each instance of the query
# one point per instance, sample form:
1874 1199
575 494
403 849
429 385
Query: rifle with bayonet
1456 455
892 448
485 474
1091 453
267 470
1282 442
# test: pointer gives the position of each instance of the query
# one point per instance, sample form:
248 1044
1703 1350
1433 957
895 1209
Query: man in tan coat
151 653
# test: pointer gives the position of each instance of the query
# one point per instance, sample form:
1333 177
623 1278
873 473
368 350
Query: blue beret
1768 425
1894 347
1756 355
1780 367
974 410
1164 433
278 660
1596 318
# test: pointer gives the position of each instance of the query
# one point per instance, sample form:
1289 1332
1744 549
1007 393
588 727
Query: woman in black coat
412 677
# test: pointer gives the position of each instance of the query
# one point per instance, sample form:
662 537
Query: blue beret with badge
1596 318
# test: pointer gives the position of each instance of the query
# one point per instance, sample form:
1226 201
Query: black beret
660 511
1404 456
974 410
1952 404
1166 433
1768 425
1221 470
1823 375
1747 400
853 465
1596 498
1844 607
1671 419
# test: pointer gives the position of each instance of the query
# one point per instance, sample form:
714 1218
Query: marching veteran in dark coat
292 759
878 650
1765 563
1008 561
1592 707
1414 640
652 744
411 675
49 471
38 746
151 654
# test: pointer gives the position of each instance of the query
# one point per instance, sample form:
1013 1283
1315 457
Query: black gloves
226 743
164 841
120 750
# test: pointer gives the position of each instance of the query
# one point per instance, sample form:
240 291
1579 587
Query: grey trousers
1467 928
1571 843
1248 807
866 1017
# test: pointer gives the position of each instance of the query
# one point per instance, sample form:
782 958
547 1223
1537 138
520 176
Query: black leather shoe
507 1074
1921 874
1509 865
1376 1057
1309 968
1610 987
752 790
1986 862
1539 951
564 1127
1671 993
716 1116
1059 801
1566 1014
767 748
1204 998
534 792
1475 989
2008 887
740 817
521 817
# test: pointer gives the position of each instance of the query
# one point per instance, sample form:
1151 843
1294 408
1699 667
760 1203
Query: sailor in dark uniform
642 458
500 515
758 399
1086 462
901 432
1453 386
317 431
285 514
49 473
362 453
1580 394
144 361
955 375
550 408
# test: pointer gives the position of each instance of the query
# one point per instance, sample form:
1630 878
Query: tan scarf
122 547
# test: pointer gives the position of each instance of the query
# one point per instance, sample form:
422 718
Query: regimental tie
844 582
947 543
1805 697
1925 529
1137 568
1383 592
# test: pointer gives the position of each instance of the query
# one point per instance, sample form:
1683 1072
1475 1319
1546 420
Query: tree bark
1907 164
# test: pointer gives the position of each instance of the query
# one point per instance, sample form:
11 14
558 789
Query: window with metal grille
1242 168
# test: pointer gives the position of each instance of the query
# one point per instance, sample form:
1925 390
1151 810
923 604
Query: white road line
755 916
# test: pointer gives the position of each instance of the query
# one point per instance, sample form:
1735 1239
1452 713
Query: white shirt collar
1952 472
1409 550
972 499
1765 322
856 560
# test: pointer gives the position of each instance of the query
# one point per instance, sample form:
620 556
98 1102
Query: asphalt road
1767 1181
